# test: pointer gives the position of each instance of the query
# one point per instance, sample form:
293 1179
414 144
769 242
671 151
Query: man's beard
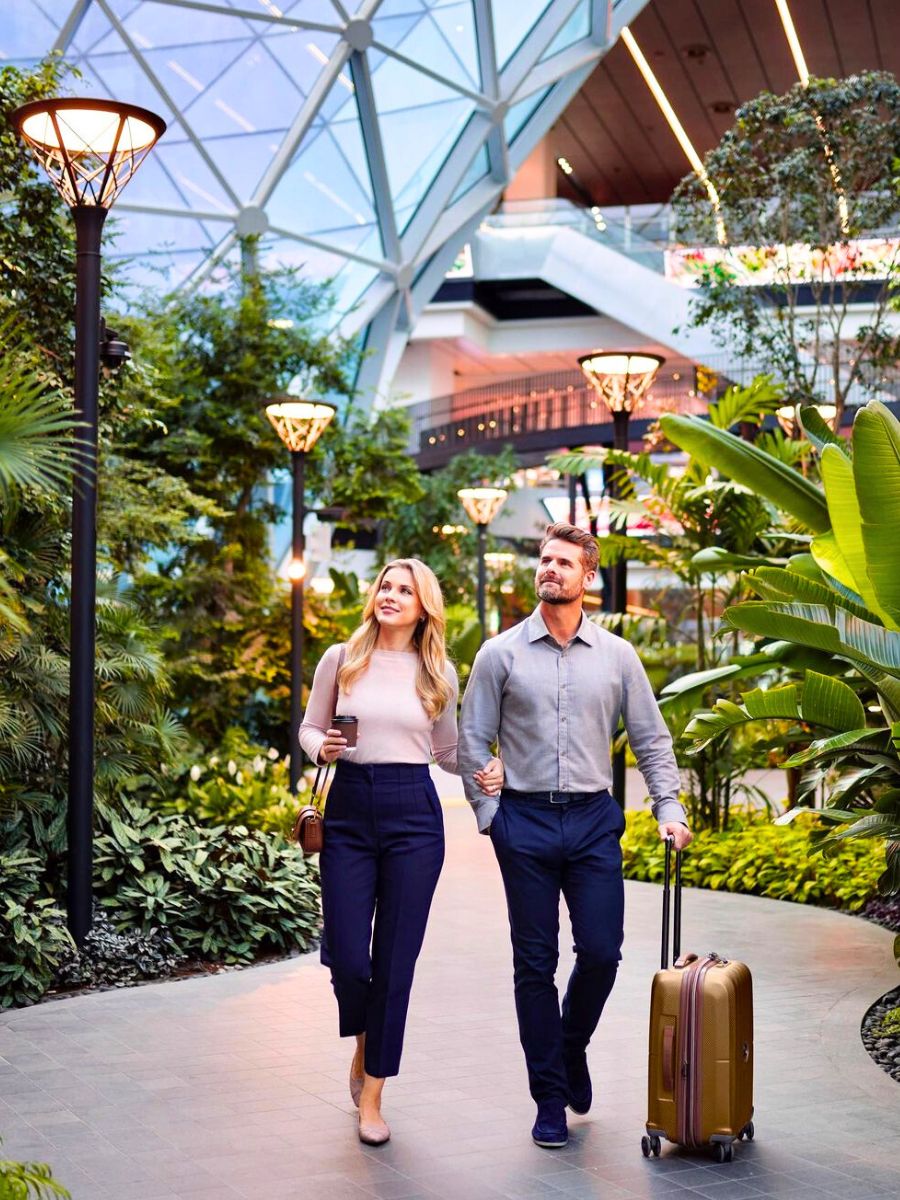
557 596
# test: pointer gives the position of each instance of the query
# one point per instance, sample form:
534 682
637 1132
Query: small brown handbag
309 827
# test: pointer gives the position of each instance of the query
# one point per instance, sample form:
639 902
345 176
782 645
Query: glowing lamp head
300 423
296 570
620 380
89 148
482 503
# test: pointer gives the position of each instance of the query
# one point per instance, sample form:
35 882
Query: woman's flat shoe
356 1086
374 1133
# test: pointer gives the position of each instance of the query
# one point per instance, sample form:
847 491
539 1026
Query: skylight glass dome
359 141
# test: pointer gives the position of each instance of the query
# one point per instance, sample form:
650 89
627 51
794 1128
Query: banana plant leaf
825 702
833 629
822 747
739 460
819 432
712 560
847 530
773 583
876 470
830 559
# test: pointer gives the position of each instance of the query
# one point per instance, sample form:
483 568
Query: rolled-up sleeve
478 728
650 740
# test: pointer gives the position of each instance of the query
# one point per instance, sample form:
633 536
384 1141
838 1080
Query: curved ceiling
360 141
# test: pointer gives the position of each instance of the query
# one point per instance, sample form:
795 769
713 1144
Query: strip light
790 32
675 125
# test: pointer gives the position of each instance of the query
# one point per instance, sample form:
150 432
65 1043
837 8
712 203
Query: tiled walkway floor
234 1086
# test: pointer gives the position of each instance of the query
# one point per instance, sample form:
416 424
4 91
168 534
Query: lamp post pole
621 380
83 599
90 149
298 556
482 504
482 581
299 424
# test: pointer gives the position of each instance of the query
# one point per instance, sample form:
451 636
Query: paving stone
234 1086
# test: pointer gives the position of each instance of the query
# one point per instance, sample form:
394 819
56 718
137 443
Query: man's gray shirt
555 711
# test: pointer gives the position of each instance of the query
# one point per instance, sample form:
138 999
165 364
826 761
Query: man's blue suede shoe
580 1091
550 1129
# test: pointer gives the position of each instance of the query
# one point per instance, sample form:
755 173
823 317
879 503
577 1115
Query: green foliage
437 529
889 1025
222 894
776 173
242 783
32 931
112 958
19 1181
759 859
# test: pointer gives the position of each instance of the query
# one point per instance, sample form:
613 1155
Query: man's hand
682 835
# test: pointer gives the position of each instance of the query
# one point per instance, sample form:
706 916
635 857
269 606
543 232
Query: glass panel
154 26
520 113
243 159
513 21
301 55
476 172
250 96
441 39
29 29
326 190
577 27
188 171
420 120
186 74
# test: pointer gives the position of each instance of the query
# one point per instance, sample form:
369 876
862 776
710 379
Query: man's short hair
562 531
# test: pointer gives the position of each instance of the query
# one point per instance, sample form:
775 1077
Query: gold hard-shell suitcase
700 1089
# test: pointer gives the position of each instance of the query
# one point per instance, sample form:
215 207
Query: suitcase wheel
723 1153
650 1145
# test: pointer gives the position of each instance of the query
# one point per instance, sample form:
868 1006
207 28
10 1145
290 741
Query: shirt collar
537 629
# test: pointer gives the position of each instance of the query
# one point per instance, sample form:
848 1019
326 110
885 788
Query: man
551 691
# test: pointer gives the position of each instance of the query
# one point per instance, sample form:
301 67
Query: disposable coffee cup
348 727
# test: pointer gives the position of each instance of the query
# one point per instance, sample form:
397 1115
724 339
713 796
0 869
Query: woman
384 833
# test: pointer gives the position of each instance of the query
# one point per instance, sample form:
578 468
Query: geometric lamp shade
482 503
89 148
620 380
299 423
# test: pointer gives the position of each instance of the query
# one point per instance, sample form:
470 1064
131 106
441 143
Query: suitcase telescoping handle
667 881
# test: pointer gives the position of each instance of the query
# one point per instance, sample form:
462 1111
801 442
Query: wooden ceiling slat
626 152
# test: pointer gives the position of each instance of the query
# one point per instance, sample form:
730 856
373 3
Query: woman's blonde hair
431 679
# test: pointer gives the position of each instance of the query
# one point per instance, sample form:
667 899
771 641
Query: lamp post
621 381
299 424
89 149
482 504
500 563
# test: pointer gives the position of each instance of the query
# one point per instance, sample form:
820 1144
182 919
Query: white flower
195 772
232 766
272 753
214 761
259 764
239 778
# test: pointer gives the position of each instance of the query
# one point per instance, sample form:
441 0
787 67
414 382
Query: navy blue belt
550 797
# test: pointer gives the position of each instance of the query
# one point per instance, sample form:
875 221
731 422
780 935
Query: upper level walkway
234 1087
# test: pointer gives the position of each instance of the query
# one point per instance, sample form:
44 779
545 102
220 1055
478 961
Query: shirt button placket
563 694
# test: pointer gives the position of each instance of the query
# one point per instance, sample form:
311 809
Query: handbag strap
326 767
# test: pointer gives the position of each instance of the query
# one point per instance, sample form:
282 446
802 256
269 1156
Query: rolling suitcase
700 1089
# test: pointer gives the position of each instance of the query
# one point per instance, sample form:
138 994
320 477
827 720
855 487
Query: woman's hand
490 777
334 743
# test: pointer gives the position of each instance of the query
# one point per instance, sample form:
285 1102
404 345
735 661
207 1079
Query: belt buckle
554 801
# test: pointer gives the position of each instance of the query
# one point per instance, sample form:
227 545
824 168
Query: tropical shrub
242 783
841 603
19 1181
112 958
33 932
759 859
222 894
